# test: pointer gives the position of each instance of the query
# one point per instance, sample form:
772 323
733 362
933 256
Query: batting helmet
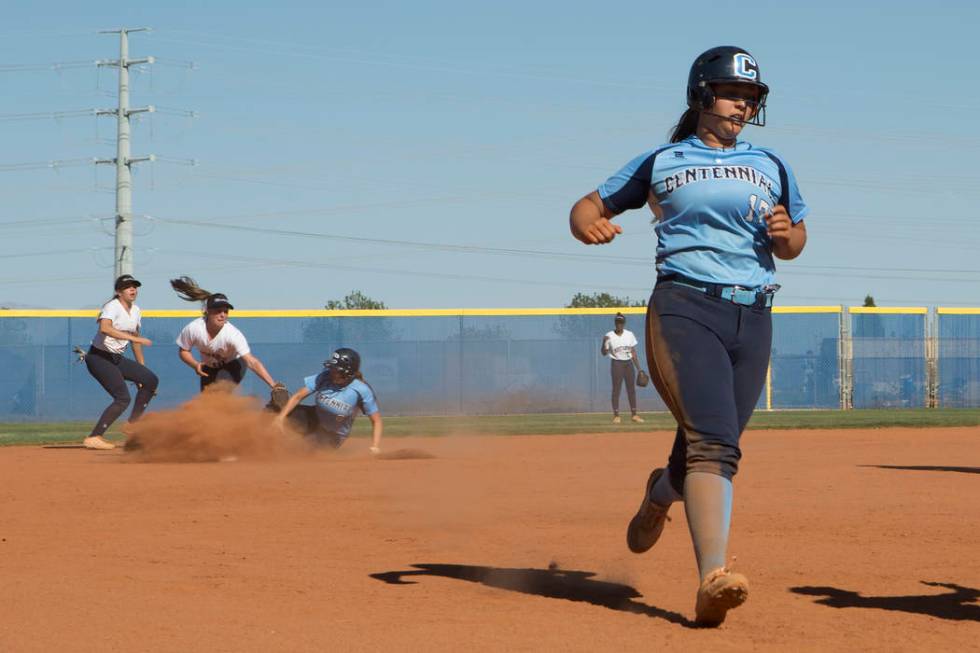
725 64
344 360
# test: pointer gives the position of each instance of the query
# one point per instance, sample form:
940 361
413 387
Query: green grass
601 422
61 432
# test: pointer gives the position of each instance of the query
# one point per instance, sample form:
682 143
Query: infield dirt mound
215 424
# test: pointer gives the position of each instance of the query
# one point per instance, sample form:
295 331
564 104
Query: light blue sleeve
310 382
369 404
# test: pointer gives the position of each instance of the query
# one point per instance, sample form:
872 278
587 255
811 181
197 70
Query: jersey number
757 207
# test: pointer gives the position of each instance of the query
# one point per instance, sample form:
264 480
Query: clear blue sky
448 124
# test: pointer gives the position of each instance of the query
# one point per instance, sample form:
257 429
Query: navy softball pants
708 359
305 420
233 371
622 372
112 371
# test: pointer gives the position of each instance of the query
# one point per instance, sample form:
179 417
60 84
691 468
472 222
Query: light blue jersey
710 205
337 405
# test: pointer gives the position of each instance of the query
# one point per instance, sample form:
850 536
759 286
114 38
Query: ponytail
188 290
686 126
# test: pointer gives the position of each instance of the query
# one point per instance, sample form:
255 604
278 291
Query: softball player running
724 208
224 351
119 325
339 392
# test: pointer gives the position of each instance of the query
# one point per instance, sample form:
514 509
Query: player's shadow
929 468
956 605
553 583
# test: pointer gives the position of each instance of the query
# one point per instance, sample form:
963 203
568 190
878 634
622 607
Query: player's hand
199 368
778 224
140 340
375 450
280 423
600 232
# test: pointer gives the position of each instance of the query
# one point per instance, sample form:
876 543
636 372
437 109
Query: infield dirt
852 540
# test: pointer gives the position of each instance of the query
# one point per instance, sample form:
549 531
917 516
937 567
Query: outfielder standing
724 209
224 351
119 325
620 345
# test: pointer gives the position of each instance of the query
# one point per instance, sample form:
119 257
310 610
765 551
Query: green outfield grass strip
66 432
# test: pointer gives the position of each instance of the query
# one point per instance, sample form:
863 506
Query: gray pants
623 371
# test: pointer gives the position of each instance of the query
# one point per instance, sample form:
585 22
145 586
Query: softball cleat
720 591
97 442
648 522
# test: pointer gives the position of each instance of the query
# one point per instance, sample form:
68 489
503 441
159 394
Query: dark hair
188 290
686 126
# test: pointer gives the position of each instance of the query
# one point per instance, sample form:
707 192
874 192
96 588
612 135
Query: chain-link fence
508 361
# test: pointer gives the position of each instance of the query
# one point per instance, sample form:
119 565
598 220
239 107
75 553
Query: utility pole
123 161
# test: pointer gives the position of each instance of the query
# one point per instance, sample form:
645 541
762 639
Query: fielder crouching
224 351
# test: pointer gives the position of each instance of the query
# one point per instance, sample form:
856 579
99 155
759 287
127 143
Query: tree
338 331
356 300
586 326
868 326
602 300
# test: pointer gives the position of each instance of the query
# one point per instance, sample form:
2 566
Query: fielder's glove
278 398
642 379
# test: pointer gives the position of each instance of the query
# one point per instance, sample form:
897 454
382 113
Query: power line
538 254
56 67
47 115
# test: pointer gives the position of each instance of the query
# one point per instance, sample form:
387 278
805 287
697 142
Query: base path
851 540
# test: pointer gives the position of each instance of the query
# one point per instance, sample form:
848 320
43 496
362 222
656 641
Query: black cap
125 281
620 317
217 300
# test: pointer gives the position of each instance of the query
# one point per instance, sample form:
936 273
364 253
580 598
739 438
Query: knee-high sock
663 493
708 505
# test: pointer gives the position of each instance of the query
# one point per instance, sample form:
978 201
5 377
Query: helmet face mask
725 64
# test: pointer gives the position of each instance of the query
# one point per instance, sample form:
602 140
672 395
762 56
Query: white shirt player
123 320
620 346
228 345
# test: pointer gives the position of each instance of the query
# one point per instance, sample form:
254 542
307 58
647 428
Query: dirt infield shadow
958 605
929 468
553 583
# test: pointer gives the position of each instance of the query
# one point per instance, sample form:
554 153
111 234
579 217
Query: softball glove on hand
642 379
278 398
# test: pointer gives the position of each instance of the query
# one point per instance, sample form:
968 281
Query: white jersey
228 345
620 347
122 320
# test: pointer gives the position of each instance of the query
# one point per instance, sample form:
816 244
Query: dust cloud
217 424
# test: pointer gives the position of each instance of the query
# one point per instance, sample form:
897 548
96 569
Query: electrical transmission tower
124 175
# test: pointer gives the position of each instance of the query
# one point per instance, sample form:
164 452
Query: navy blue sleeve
630 187
789 193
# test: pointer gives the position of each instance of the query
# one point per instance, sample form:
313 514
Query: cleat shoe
721 591
648 522
637 419
97 442
616 420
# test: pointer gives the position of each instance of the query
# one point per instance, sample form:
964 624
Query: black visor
217 300
126 281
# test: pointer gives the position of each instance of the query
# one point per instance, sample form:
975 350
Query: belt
735 294
102 353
